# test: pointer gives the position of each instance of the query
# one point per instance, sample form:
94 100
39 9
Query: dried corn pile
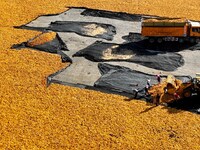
35 117
41 39
166 20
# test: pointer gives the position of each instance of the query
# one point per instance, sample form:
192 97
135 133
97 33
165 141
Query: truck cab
195 31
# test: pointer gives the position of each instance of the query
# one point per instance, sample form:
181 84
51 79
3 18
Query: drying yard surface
119 42
61 117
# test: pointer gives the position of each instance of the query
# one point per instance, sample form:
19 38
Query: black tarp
112 15
124 81
55 46
84 28
89 29
167 61
52 46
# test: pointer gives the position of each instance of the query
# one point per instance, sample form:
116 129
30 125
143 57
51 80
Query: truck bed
164 28
163 31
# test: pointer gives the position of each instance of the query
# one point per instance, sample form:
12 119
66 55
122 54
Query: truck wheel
151 40
192 40
187 93
159 40
180 40
197 40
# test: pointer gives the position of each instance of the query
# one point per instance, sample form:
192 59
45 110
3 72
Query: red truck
158 30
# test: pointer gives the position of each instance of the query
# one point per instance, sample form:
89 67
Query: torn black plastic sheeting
131 52
112 15
89 29
51 46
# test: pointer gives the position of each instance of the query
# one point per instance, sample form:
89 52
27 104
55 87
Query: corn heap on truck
165 91
159 30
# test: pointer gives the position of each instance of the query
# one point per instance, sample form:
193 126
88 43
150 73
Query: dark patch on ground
143 43
89 29
195 46
112 15
133 37
65 58
168 46
131 52
42 29
191 104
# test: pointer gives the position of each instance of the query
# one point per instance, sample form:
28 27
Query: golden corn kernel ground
33 116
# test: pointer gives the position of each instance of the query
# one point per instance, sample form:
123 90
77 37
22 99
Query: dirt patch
101 51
